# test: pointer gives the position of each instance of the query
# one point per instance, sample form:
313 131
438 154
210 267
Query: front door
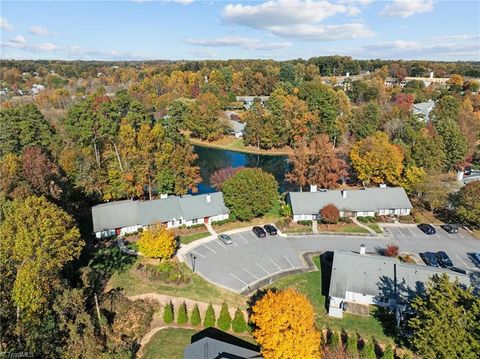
117 231
205 220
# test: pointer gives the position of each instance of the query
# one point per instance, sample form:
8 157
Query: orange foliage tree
285 327
157 242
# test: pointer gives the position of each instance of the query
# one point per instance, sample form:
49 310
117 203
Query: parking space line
461 260
276 265
253 275
461 235
198 254
291 265
266 271
221 245
235 243
413 234
243 238
403 235
209 248
234 276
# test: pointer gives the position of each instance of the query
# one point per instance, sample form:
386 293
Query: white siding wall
365 214
104 234
130 229
359 298
383 211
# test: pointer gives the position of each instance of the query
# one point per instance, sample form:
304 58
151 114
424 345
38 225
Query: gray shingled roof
423 108
374 275
209 348
130 213
236 126
368 199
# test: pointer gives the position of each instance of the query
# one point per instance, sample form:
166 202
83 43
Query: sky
274 29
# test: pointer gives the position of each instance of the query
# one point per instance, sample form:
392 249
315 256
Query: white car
225 238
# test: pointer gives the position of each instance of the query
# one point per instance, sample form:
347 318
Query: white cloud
298 19
183 2
40 31
243 42
19 39
5 25
204 53
406 8
44 47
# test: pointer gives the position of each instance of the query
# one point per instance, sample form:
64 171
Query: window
180 221
173 222
195 221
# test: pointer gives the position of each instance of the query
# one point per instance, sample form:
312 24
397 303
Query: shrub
345 220
388 353
330 214
209 320
195 316
224 321
182 316
351 347
333 340
140 230
305 223
239 325
391 250
368 350
168 313
157 242
170 272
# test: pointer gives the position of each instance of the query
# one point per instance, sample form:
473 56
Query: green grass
135 283
168 344
193 237
375 227
310 285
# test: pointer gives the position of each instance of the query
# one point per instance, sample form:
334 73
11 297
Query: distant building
212 343
36 89
361 279
350 202
248 100
423 109
121 217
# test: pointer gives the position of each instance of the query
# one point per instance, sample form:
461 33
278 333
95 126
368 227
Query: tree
195 316
391 250
468 205
316 162
376 160
427 150
368 350
182 315
366 120
250 193
388 353
238 323
203 119
455 143
224 320
333 341
435 193
412 179
220 176
445 321
209 320
352 345
284 325
168 316
330 214
157 242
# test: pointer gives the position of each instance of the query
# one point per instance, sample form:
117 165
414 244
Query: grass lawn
423 216
375 227
193 237
232 143
168 344
343 228
134 283
310 285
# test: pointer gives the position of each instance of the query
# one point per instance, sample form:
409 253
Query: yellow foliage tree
285 326
157 242
376 160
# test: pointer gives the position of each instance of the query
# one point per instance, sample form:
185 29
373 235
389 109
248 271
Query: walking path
210 229
123 247
315 227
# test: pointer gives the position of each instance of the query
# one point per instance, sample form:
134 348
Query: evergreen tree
239 325
224 321
168 316
333 340
209 320
182 316
195 316
388 353
368 350
352 345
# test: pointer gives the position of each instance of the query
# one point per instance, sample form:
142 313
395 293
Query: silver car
225 238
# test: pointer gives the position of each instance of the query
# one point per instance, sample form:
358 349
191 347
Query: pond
211 159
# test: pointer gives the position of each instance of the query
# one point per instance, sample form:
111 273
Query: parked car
450 228
430 259
476 257
458 270
270 229
427 228
444 259
225 238
467 171
259 232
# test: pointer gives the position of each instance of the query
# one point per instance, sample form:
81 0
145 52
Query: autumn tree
250 193
330 214
445 321
157 242
284 326
376 160
365 120
467 204
203 119
218 178
316 162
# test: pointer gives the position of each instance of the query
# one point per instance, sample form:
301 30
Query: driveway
250 261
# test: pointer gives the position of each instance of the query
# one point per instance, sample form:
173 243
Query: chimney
431 74
208 198
163 195
344 193
348 74
382 185
460 176
362 249
313 188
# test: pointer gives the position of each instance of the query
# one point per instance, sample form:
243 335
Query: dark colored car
450 228
444 259
430 259
270 229
458 270
259 232
467 171
427 228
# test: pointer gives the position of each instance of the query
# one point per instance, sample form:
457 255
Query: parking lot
250 261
